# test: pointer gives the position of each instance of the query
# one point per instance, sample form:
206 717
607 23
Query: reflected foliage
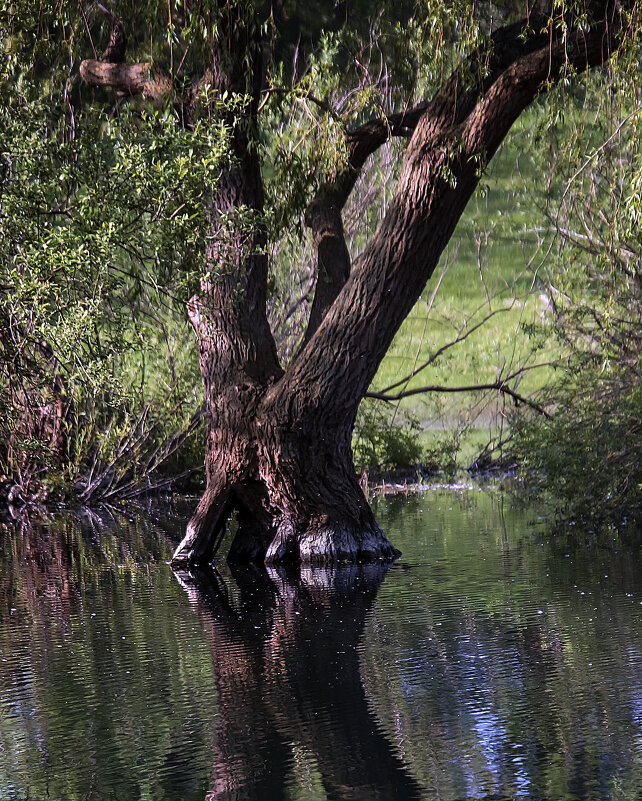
519 659
100 689
490 663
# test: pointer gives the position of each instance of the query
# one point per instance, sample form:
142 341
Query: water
487 663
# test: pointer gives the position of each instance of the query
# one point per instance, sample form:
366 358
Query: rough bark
127 79
278 447
441 170
323 217
294 488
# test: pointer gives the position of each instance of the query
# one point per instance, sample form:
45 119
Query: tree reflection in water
285 649
488 664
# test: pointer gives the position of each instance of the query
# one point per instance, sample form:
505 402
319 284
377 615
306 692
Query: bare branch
499 386
115 50
592 156
128 79
440 351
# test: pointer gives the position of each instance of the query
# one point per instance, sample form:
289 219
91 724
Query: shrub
384 442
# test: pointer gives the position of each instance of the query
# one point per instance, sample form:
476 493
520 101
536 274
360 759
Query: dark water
486 663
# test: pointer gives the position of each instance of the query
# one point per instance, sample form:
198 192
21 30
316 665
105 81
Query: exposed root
205 529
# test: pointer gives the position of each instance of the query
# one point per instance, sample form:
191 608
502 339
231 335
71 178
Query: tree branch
441 350
128 79
143 78
500 386
450 106
441 170
115 50
286 90
453 102
491 119
323 217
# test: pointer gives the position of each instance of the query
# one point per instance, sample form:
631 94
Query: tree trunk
288 475
278 444
294 489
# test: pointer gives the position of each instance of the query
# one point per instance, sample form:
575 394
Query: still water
488 662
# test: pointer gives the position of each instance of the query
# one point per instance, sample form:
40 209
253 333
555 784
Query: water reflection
488 664
285 649
511 669
104 690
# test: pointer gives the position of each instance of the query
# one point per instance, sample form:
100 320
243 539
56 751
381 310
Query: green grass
490 266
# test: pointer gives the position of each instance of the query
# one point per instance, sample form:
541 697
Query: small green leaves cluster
102 239
385 441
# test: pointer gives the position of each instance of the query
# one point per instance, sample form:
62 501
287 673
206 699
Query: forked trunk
279 442
278 448
294 490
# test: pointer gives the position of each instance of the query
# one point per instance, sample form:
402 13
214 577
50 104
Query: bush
586 460
384 442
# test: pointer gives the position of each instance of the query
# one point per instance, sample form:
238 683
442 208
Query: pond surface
487 663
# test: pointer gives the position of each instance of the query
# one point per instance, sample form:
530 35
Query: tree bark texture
279 442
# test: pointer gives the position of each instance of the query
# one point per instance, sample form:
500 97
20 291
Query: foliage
585 458
384 441
103 206
101 210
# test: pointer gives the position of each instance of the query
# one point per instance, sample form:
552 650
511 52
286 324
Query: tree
279 436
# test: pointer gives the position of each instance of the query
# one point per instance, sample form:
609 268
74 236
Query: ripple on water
485 663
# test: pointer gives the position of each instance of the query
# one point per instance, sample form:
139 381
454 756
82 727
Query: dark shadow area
285 649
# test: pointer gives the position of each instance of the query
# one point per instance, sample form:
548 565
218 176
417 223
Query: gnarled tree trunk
278 447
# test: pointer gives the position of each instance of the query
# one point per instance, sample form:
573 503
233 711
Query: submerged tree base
291 485
330 544
325 544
